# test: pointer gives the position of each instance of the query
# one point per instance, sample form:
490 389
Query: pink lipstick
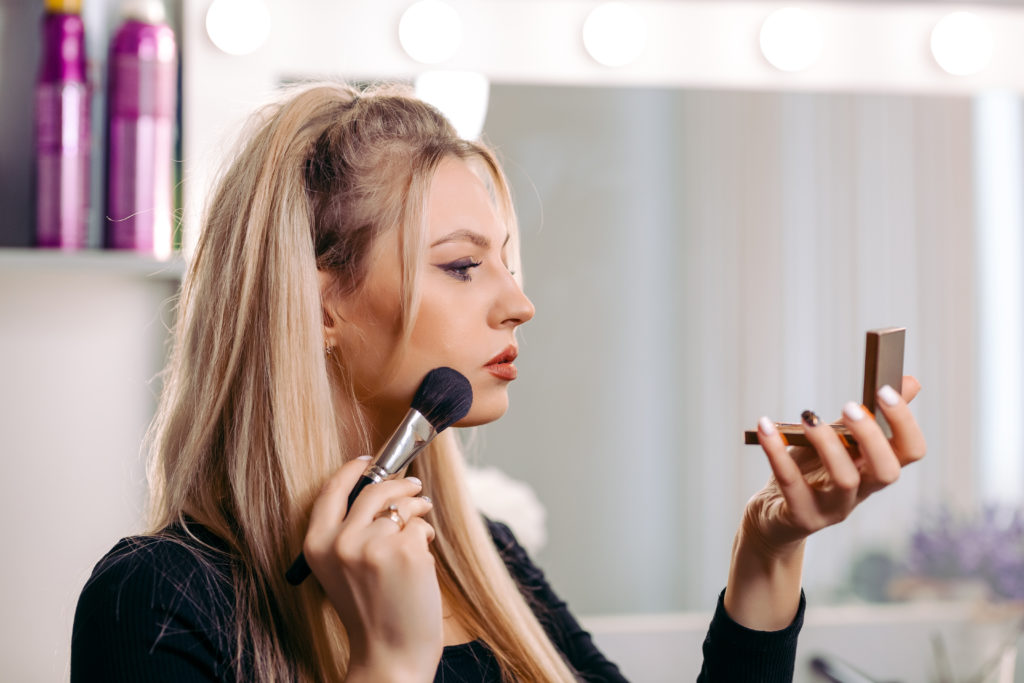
501 365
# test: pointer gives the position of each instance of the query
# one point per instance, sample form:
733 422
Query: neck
382 423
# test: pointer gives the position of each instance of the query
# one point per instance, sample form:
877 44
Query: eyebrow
469 236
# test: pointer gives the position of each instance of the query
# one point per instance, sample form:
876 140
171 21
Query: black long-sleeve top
155 610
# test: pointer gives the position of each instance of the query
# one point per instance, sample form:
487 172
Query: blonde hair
252 419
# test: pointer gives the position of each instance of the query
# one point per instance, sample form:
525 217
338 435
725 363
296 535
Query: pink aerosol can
62 130
141 97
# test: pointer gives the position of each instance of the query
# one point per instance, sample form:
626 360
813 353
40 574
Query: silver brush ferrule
409 439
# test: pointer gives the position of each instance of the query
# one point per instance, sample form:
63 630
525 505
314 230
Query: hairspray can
142 90
62 130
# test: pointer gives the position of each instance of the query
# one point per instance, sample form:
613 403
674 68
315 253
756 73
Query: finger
880 461
377 497
330 506
832 451
907 438
416 506
910 388
420 527
405 509
794 487
389 519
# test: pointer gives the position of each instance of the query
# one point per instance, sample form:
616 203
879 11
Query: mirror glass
699 258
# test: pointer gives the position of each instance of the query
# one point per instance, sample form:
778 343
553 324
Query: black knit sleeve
732 653
735 654
153 610
552 612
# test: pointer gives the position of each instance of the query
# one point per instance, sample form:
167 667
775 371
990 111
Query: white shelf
93 260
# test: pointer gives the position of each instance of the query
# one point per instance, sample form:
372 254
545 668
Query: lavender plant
988 547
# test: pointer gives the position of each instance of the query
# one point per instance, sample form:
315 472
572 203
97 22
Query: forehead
460 200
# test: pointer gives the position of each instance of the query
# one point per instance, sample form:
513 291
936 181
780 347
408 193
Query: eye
459 269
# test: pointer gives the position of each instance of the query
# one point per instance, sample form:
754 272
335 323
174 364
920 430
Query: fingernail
415 480
810 418
766 426
888 395
853 411
364 457
427 498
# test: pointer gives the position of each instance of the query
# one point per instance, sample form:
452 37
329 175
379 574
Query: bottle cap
64 6
146 11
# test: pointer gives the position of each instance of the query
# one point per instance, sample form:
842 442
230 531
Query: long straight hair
253 418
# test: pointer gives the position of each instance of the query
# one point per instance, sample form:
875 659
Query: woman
354 244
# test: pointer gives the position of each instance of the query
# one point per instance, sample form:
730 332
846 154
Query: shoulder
501 533
522 568
505 542
163 569
154 596
551 611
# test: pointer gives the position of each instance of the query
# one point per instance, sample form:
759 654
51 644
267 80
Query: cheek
391 371
450 333
437 327
437 339
368 342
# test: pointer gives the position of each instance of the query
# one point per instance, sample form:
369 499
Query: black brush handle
299 570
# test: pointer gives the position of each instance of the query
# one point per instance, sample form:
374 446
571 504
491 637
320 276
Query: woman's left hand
815 487
812 488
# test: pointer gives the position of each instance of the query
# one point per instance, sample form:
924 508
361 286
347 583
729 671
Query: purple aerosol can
62 130
141 96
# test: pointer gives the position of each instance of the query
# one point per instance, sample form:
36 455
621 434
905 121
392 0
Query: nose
513 307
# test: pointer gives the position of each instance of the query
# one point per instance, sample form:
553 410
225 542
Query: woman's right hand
379 576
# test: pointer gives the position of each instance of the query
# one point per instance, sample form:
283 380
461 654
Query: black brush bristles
444 397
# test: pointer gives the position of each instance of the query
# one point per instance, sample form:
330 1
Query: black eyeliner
459 268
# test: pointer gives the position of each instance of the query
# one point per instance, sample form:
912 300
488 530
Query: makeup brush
442 399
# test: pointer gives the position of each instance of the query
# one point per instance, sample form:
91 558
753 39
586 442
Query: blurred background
717 200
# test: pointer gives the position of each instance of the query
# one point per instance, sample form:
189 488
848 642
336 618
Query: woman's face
470 307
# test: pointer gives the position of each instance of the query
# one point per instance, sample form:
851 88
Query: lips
509 354
501 365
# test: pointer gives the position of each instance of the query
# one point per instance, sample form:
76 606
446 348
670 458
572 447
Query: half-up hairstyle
253 418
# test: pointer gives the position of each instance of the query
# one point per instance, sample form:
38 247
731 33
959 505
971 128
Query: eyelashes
460 268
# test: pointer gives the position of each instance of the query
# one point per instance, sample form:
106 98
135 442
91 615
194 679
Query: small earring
328 349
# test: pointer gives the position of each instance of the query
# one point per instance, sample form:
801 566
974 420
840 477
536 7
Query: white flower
512 502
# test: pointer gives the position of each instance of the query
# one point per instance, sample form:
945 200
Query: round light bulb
791 39
962 44
238 27
614 34
430 31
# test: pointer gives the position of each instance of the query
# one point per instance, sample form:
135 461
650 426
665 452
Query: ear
329 309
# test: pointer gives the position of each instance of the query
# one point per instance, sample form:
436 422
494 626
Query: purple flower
989 547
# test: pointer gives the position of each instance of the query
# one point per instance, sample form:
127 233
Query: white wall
80 347
884 643
81 342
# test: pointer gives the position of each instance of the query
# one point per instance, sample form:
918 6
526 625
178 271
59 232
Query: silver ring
391 512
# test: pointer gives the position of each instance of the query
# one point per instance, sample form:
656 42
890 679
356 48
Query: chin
484 412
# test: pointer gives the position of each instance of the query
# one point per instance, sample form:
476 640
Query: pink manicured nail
415 480
888 395
766 426
853 411
365 457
